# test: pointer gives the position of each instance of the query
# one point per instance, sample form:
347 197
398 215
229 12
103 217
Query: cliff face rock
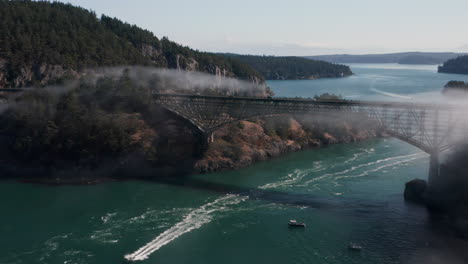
44 74
187 64
415 191
192 65
24 78
150 52
246 142
41 74
49 73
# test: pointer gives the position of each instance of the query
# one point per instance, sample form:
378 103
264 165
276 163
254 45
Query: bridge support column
210 137
434 170
205 139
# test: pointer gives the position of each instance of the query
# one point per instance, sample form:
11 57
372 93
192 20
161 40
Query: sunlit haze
298 27
240 131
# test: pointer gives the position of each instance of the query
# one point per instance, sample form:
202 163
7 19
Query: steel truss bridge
433 128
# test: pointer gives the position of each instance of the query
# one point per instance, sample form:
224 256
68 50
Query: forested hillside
457 65
292 68
43 42
111 128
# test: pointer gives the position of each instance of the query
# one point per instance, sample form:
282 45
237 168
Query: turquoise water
375 82
345 193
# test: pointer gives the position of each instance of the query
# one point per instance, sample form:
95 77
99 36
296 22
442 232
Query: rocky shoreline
248 142
235 146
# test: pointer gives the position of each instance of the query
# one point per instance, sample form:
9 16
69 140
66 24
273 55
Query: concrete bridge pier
205 139
434 170
210 137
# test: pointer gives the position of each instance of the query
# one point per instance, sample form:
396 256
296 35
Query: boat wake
365 173
293 178
391 94
193 220
346 171
358 155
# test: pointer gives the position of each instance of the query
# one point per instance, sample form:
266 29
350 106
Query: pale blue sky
299 27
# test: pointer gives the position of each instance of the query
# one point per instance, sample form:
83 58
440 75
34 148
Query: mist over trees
42 42
109 127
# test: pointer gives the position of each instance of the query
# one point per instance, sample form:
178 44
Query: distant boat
354 246
296 224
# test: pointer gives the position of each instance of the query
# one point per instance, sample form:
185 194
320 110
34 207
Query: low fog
178 81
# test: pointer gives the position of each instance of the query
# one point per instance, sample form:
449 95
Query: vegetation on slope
42 42
249 141
110 123
110 128
457 65
292 68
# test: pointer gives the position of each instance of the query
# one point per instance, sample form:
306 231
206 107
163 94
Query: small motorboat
354 246
296 224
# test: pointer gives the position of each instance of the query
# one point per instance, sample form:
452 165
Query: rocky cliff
247 142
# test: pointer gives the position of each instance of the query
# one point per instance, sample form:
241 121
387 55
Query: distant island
430 58
455 88
292 68
457 65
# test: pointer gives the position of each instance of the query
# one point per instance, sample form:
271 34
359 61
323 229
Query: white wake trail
359 154
292 178
194 220
391 94
358 167
365 173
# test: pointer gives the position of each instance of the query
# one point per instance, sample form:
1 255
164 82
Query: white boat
295 223
354 246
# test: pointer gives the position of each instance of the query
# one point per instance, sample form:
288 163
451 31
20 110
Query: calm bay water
375 82
345 193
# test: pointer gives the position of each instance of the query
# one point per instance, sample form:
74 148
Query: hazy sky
298 27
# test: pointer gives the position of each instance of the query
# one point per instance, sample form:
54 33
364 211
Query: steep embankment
292 68
43 43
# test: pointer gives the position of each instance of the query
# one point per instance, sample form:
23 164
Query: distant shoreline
404 58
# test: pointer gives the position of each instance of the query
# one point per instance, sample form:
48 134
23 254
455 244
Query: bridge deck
391 104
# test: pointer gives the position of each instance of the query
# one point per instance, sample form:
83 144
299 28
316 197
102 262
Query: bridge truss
432 128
